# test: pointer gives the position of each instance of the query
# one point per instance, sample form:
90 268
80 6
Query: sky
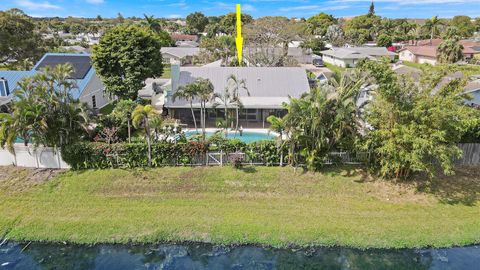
256 8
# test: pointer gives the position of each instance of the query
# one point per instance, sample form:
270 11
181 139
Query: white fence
31 157
47 157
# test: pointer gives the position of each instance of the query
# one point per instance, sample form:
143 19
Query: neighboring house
269 88
473 89
297 54
349 57
183 37
90 89
179 55
419 54
76 49
188 44
322 76
425 52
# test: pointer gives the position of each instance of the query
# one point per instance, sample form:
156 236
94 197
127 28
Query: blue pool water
203 256
247 136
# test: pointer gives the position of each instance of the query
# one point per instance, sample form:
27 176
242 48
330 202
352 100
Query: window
94 102
4 91
249 114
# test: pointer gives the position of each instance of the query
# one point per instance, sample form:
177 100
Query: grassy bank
273 206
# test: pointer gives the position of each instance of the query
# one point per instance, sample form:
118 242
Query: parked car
318 62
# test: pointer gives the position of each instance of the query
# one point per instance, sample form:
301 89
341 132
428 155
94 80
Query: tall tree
125 57
319 23
433 26
205 94
235 86
196 22
155 25
228 22
371 10
123 111
411 131
450 51
465 26
44 110
18 38
323 120
143 116
188 92
267 40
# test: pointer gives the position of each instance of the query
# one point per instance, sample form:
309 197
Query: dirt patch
17 179
461 188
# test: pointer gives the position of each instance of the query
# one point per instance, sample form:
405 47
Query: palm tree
433 26
123 110
153 23
278 125
416 32
450 51
142 116
8 131
235 86
206 94
188 92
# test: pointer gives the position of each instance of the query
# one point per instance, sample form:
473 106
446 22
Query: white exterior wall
340 62
407 55
28 156
426 60
95 88
100 99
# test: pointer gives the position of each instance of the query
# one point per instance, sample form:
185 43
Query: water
247 136
200 256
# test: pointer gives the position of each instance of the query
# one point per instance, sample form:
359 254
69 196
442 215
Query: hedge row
95 155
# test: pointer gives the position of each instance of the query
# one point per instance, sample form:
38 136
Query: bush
93 155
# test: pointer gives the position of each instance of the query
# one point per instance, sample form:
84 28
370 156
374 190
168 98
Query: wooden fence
471 154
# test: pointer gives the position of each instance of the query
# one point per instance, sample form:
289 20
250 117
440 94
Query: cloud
34 5
95 2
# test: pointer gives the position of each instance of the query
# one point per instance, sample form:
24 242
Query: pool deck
245 130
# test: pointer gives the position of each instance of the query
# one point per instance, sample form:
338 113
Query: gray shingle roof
180 52
357 52
269 87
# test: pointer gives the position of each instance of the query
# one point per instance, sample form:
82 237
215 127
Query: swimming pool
247 136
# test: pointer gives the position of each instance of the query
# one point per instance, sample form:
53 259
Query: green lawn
167 72
262 205
335 69
468 70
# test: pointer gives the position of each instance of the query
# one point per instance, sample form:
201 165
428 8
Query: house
181 55
183 37
297 54
321 76
419 54
425 52
188 44
473 89
349 57
269 88
90 89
